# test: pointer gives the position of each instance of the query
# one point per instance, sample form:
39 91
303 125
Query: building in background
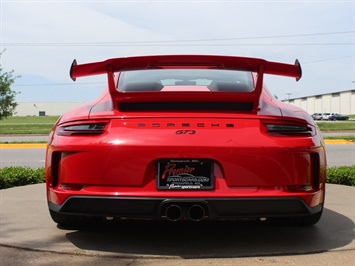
43 109
342 102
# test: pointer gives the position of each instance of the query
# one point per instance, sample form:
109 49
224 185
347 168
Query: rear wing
110 66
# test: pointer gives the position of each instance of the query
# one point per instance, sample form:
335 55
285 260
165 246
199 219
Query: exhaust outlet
196 213
173 212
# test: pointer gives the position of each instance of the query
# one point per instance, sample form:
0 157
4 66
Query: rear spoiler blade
257 65
185 61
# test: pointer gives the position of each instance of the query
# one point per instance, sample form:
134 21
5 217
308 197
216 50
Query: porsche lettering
200 125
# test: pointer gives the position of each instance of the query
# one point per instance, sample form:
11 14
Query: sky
40 39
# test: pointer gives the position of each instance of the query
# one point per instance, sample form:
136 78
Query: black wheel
74 221
301 220
298 220
310 220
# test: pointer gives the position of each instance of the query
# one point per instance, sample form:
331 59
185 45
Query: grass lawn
17 125
29 120
336 125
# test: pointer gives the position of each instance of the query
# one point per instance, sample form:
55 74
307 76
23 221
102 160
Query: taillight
300 188
68 186
288 128
82 128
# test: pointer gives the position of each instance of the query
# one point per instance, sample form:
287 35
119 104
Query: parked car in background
325 116
335 116
317 116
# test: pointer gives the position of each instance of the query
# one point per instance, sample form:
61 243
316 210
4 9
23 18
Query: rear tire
74 221
311 219
299 220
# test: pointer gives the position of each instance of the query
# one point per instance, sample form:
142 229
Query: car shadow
214 239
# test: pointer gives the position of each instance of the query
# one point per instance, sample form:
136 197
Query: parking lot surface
25 225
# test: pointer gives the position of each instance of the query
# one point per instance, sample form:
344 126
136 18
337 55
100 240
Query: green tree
7 96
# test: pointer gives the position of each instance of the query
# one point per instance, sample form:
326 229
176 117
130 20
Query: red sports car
185 137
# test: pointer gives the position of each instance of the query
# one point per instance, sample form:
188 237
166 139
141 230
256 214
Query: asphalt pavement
25 225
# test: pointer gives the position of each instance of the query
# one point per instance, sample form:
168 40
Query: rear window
185 79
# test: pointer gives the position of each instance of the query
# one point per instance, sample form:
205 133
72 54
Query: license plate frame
185 174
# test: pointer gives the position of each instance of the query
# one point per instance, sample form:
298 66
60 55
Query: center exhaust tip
173 212
196 213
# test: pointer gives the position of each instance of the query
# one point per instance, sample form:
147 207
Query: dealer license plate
185 174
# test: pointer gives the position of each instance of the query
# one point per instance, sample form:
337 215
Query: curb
338 141
23 146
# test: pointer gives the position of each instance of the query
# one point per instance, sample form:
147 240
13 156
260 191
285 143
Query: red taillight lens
288 128
300 188
82 128
67 186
